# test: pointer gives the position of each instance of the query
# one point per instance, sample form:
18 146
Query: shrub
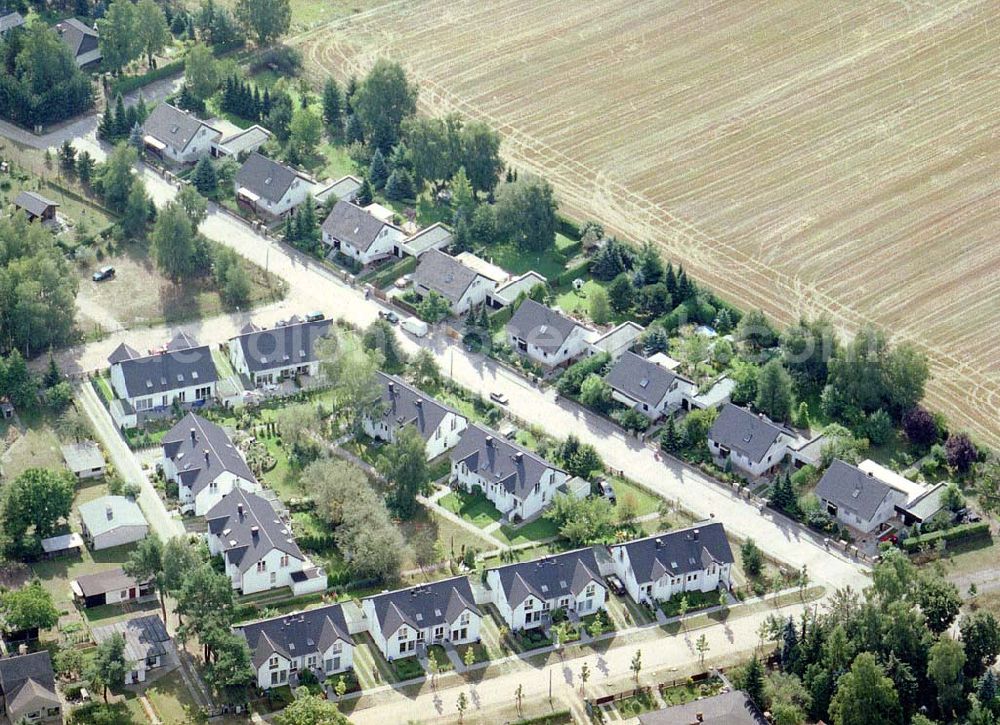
956 533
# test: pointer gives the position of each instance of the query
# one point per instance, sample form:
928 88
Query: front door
131 593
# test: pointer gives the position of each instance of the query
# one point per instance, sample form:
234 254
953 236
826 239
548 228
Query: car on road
607 491
499 398
615 584
104 273
389 316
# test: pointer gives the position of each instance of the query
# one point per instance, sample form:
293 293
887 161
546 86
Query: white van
415 326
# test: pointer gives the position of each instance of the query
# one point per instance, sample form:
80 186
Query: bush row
956 533
128 84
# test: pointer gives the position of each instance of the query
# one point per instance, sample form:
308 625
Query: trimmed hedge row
131 83
963 531
568 228
555 718
568 275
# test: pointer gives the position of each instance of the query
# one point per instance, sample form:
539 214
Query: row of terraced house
527 595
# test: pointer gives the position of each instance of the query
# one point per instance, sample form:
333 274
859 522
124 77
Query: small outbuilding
147 645
113 586
36 206
59 545
84 459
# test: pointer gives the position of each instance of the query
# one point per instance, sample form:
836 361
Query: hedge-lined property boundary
957 533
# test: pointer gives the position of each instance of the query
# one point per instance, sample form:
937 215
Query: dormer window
274 663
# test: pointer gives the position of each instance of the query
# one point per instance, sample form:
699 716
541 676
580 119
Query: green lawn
696 600
172 700
443 663
37 448
577 302
222 364
336 163
690 691
408 668
517 261
473 507
627 493
634 706
537 530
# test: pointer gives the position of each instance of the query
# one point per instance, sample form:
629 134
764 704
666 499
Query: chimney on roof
489 441
760 415
109 513
694 534
519 456
659 543
239 510
22 649
870 474
392 387
194 435
206 456
418 402
254 531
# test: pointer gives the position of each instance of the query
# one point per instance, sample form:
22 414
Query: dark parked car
615 584
104 273
389 316
607 491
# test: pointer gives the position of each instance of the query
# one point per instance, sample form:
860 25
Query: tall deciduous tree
201 72
863 691
29 607
309 709
36 501
481 155
145 563
382 101
945 665
118 176
404 465
205 599
526 213
264 20
306 131
118 35
173 240
151 28
108 667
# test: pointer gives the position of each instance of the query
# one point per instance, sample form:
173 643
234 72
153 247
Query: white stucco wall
664 588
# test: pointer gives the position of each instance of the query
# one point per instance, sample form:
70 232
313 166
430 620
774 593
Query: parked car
607 491
499 398
104 273
404 281
315 317
615 584
415 326
389 316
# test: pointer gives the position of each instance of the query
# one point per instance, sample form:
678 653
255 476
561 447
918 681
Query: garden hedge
956 533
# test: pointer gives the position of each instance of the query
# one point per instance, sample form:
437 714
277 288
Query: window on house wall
338 647
284 560
261 566
273 664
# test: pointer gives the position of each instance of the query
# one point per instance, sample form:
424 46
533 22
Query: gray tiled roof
352 225
550 577
541 326
170 124
201 450
243 546
282 346
727 708
265 177
10 21
16 670
296 634
443 274
123 352
494 458
249 139
80 37
345 188
33 202
641 379
425 605
680 552
112 580
851 488
169 370
744 432
402 405
144 636
82 456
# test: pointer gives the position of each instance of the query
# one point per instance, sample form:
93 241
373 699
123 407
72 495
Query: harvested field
800 157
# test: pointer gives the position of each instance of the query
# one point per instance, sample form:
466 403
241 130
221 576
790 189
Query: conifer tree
378 172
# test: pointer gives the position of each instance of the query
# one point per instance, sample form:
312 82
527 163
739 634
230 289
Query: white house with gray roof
178 135
360 235
258 547
463 287
527 593
618 340
269 356
546 336
647 387
281 647
200 458
861 499
112 521
403 405
405 622
518 482
147 386
507 292
270 189
751 442
659 567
